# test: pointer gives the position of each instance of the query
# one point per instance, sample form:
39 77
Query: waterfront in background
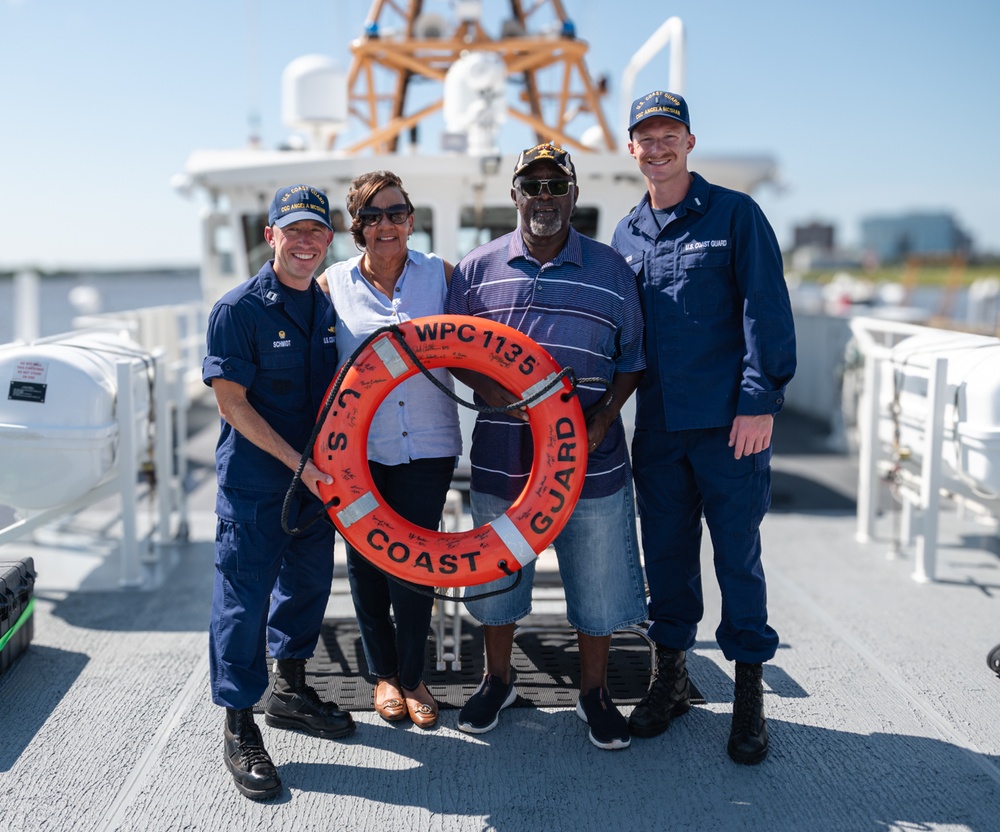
64 296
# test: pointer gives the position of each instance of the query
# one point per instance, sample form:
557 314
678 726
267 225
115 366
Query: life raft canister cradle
459 559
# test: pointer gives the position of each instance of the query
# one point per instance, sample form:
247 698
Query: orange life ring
456 559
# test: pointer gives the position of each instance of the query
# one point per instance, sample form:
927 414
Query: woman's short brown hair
363 190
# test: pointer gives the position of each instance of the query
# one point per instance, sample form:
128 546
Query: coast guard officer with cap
271 355
720 348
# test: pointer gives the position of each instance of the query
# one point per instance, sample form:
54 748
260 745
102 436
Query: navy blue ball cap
659 103
545 153
299 202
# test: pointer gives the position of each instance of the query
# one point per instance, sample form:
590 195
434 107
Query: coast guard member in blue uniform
720 349
271 355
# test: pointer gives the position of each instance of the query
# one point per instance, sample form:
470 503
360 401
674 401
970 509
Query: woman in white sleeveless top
414 439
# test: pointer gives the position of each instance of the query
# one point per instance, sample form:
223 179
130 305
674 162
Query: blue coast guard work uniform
720 342
259 337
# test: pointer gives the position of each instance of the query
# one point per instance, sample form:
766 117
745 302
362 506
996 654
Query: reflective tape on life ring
430 557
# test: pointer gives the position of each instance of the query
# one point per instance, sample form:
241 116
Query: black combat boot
669 695
748 737
248 762
294 704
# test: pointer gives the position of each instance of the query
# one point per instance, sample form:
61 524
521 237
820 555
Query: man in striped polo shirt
577 298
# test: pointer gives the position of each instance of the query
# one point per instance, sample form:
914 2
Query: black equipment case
17 603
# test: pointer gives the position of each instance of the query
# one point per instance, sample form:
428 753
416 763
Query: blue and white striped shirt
583 308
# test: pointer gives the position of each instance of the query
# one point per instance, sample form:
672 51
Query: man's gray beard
545 225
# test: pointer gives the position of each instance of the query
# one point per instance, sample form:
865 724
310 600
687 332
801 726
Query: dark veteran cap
299 202
545 153
659 103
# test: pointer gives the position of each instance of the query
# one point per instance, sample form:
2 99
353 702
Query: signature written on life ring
539 513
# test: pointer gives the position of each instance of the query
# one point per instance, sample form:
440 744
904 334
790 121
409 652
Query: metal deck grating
546 662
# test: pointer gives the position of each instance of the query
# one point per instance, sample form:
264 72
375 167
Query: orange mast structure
402 44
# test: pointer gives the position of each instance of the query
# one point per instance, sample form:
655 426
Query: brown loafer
422 714
392 709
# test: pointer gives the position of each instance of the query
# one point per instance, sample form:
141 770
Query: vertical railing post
128 474
868 420
931 473
27 306
180 447
163 447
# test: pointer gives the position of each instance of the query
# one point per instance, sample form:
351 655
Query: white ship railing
176 329
921 477
173 337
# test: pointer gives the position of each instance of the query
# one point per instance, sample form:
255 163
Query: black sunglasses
533 187
371 215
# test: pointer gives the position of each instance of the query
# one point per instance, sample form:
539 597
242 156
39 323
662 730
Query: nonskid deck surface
882 711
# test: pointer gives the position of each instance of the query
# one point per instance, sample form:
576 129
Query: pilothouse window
423 230
584 220
481 224
222 244
258 251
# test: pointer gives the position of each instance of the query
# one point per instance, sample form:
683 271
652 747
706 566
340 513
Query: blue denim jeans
397 645
598 554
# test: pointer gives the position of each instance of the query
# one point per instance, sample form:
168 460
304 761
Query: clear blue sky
869 106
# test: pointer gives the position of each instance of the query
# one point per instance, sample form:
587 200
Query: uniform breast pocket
635 263
282 370
706 283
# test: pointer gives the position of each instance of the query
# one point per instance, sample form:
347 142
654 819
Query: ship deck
882 711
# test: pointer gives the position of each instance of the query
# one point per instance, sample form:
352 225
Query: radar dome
475 101
314 96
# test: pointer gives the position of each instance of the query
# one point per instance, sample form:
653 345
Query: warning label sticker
31 371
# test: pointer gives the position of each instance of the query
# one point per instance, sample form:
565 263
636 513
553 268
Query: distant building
815 235
814 250
892 239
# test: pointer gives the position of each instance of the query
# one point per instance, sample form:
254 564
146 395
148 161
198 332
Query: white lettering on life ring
427 556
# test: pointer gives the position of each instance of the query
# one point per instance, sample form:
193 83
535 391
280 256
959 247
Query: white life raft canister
59 420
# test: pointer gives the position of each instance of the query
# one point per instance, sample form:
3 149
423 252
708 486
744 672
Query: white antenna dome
475 100
314 98
593 137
